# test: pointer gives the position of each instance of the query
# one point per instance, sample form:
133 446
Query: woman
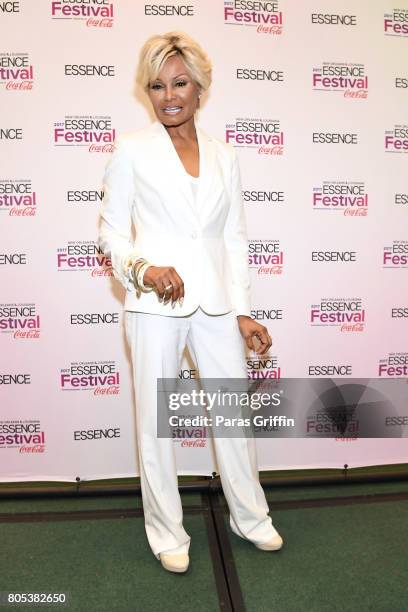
187 282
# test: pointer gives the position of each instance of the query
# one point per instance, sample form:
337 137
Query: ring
168 287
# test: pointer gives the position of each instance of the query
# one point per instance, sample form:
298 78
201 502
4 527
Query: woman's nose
169 93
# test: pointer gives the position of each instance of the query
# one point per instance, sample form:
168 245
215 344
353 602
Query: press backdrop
316 101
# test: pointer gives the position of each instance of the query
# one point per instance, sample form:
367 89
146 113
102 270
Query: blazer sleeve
236 241
115 232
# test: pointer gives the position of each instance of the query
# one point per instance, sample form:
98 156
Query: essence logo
264 135
396 364
94 318
350 79
269 197
89 70
333 19
262 15
15 379
401 82
18 198
95 13
272 314
101 377
186 374
346 196
96 434
334 256
85 131
166 10
396 255
11 134
345 313
254 74
16 72
27 436
261 368
396 23
83 257
399 313
334 138
13 259
89 196
330 370
21 320
396 140
401 198
10 7
265 256
340 420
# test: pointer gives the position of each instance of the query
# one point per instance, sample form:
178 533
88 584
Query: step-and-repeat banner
314 96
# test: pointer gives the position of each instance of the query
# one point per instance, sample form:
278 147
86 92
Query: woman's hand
250 328
160 277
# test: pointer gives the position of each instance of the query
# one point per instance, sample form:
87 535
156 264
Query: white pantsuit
216 346
204 238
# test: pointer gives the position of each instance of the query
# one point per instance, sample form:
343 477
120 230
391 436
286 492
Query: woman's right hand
160 277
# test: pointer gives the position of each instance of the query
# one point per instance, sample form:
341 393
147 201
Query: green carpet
99 502
335 490
335 559
104 565
349 558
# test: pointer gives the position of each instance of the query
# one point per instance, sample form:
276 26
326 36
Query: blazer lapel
207 169
177 171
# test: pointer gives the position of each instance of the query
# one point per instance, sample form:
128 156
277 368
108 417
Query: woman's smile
172 110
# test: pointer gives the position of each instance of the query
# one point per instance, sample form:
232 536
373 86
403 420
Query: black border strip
211 501
223 593
80 515
227 557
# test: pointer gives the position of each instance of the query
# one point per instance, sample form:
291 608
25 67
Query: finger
176 283
264 343
250 343
179 284
167 294
267 341
163 293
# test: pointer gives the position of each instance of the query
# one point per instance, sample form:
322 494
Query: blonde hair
159 47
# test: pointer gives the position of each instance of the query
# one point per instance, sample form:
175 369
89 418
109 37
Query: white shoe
274 543
175 563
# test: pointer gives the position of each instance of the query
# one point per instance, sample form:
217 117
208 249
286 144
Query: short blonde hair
159 47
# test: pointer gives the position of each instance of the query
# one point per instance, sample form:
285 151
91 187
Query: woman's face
173 94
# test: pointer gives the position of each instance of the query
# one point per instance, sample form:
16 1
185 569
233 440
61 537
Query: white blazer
145 183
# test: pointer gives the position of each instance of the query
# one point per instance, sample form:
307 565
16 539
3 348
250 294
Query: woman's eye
181 83
156 86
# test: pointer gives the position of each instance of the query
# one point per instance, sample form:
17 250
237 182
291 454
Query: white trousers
217 347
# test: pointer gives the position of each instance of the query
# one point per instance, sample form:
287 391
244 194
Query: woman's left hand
250 328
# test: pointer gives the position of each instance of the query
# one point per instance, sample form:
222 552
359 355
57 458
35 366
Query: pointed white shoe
175 563
274 543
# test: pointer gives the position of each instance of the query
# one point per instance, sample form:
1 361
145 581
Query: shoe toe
274 543
175 563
